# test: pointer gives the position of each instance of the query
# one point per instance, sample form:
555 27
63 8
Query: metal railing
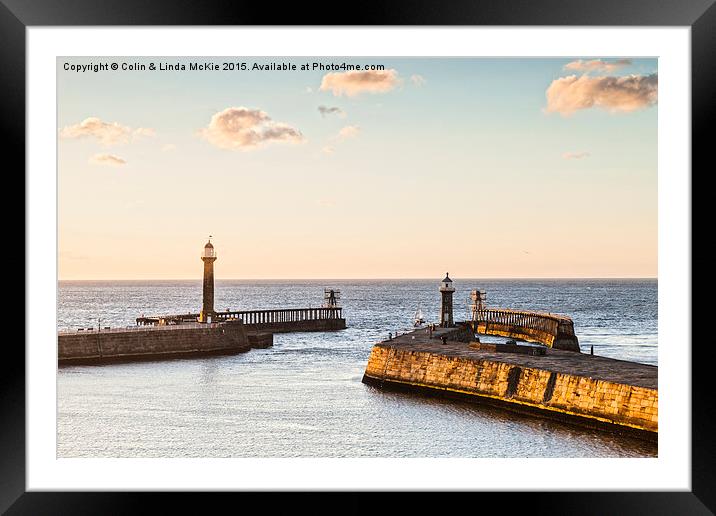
540 321
286 315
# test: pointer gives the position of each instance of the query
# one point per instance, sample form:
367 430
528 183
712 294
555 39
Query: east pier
550 379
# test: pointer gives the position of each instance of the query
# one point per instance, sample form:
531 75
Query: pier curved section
552 330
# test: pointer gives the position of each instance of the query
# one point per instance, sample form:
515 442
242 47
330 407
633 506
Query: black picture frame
699 15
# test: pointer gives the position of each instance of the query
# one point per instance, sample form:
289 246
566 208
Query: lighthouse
207 306
446 291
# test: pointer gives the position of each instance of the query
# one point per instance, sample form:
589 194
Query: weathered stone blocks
152 342
551 392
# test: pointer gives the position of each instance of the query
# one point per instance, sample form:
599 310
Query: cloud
597 65
108 133
243 128
144 131
575 155
615 94
168 147
348 131
355 82
417 80
107 159
324 110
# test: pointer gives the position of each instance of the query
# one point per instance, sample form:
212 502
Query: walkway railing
542 327
285 315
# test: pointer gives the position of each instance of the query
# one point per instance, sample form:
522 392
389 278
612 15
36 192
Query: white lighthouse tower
446 291
207 306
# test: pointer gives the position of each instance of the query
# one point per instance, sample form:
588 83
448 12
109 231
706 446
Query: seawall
156 342
575 388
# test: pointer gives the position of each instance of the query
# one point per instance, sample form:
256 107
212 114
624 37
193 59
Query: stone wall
261 340
560 395
461 333
152 343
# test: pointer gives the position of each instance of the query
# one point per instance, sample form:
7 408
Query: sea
304 396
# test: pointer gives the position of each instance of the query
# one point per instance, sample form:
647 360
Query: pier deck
572 387
555 360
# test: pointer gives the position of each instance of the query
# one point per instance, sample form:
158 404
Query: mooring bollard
591 350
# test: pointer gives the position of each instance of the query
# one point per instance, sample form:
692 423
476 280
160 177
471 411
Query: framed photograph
238 230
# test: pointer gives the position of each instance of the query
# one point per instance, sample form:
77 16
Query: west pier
551 378
208 332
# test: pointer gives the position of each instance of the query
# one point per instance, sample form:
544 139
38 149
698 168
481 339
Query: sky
484 167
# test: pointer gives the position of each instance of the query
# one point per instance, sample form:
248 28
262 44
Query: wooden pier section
552 330
572 387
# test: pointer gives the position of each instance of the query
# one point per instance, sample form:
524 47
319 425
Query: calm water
304 396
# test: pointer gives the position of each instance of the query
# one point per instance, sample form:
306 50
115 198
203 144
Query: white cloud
417 80
575 155
348 131
144 131
597 65
243 128
107 133
355 82
107 159
615 94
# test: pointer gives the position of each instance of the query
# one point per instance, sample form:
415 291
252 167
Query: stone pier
572 387
156 343
176 336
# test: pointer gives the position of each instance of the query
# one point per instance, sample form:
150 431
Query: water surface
304 396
